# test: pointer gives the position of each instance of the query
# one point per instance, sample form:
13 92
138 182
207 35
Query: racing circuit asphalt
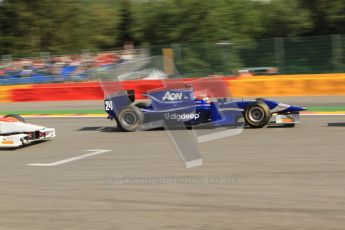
270 178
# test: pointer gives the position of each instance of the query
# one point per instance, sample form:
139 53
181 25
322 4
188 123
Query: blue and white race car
193 103
178 107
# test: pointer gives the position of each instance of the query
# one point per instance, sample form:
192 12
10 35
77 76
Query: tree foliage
57 26
328 16
72 25
193 21
283 18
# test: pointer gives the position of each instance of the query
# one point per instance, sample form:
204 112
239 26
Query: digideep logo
182 117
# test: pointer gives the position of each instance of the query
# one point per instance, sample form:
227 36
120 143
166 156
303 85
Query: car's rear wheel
257 114
130 118
15 117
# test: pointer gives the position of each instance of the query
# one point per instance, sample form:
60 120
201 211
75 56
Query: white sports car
15 132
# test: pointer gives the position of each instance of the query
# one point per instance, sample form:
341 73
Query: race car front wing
288 119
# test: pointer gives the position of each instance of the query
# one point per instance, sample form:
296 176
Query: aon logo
172 96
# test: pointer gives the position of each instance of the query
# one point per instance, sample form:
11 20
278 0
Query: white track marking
94 152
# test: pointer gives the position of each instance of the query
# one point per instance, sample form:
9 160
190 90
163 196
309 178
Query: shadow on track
100 129
108 129
340 124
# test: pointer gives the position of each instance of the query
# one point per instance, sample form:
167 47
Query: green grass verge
326 108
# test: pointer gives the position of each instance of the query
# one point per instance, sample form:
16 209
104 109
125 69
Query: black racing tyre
257 114
15 116
142 104
130 118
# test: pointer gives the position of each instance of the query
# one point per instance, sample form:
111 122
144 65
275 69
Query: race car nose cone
297 108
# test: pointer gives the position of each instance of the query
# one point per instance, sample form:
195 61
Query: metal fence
321 54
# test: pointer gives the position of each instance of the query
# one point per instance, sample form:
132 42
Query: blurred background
63 40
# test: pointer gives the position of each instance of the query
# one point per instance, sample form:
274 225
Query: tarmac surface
270 178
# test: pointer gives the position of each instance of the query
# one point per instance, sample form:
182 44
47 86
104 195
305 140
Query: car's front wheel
257 114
